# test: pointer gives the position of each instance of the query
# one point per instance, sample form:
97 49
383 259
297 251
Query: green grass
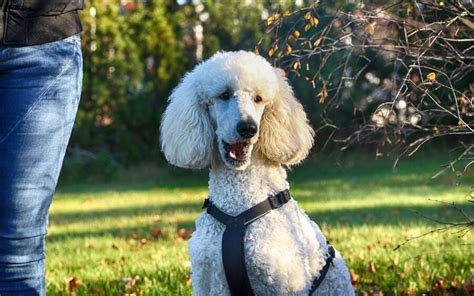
124 237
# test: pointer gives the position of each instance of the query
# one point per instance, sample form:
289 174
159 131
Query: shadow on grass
379 215
142 231
390 215
165 178
118 213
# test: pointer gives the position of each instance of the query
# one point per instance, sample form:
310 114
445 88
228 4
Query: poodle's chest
281 249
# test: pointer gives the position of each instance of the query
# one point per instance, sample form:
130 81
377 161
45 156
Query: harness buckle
278 200
274 201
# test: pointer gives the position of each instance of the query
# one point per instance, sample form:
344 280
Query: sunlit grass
130 237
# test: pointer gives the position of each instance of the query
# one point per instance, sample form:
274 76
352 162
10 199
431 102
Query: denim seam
40 98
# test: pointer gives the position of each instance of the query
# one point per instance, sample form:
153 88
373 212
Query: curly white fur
284 250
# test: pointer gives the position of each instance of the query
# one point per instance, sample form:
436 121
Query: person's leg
40 88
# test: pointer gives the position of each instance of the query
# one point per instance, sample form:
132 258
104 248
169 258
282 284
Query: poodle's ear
186 130
285 134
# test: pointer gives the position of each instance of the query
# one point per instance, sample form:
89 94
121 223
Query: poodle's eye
225 95
257 99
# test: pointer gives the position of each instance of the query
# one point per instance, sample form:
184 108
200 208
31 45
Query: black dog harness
233 242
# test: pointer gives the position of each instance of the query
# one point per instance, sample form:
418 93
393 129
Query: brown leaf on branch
323 94
314 21
273 19
431 76
272 50
371 28
297 65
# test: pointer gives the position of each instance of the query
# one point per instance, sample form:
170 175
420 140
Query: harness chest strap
233 242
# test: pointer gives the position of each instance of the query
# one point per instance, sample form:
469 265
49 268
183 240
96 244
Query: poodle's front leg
201 266
207 271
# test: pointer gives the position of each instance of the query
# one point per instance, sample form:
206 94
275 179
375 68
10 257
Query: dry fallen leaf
156 232
354 277
438 286
184 233
409 292
187 280
372 268
72 284
469 286
136 279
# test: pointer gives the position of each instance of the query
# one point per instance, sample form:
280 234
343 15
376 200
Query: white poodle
238 115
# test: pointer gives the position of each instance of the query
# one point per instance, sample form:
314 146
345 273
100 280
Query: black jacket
30 22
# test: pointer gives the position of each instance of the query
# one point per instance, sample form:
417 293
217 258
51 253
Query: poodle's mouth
236 153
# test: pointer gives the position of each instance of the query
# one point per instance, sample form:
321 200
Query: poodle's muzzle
237 153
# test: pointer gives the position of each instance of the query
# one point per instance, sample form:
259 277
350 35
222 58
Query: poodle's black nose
247 129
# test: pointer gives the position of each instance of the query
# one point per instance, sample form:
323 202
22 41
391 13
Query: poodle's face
238 91
238 104
236 116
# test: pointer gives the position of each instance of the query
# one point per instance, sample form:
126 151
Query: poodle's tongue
237 151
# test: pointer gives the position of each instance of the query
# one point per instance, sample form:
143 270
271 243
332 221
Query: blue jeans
40 87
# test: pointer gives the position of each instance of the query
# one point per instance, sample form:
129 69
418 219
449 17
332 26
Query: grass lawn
130 237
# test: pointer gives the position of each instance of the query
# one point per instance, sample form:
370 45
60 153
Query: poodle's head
232 106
